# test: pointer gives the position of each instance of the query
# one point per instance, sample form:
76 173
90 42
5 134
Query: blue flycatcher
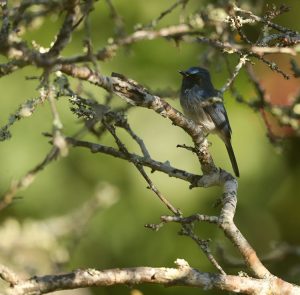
202 103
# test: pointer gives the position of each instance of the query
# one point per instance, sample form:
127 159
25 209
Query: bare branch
110 50
195 180
183 275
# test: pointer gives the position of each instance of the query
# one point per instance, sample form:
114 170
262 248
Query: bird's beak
183 73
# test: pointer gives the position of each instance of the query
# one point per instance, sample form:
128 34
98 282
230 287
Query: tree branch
183 275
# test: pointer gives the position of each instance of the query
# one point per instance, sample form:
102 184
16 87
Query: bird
203 104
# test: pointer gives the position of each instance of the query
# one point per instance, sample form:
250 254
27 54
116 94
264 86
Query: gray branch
183 275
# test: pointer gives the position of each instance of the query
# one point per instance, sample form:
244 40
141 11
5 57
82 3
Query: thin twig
242 62
169 10
191 219
124 124
27 179
262 20
118 20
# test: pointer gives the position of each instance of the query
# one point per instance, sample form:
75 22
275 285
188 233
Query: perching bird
197 93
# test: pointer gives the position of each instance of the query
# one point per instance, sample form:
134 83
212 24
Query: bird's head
196 75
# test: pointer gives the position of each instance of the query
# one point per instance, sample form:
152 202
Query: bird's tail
232 158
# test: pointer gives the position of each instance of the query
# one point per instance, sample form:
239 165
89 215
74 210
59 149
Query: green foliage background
269 200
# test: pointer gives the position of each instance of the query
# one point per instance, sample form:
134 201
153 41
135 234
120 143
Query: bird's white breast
191 105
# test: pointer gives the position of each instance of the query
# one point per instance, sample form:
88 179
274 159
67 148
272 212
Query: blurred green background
269 200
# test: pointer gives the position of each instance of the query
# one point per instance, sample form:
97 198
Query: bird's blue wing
219 116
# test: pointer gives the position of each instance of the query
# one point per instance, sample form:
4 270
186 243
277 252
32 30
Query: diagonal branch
66 30
27 179
141 170
239 66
